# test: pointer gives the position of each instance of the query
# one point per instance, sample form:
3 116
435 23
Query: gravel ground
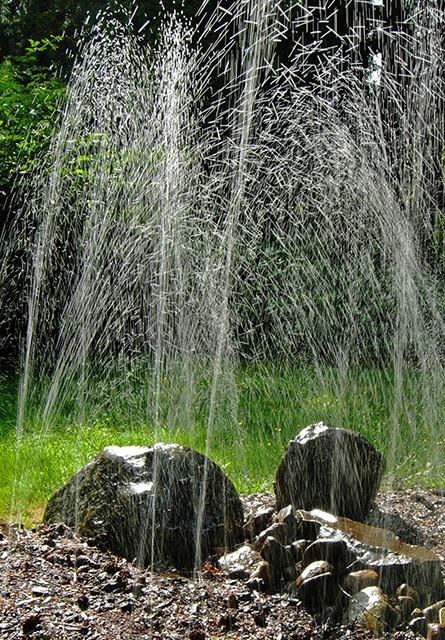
55 585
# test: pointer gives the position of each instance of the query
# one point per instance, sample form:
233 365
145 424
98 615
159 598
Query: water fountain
208 207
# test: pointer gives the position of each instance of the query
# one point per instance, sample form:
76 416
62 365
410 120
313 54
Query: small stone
227 622
275 554
333 551
241 562
436 632
314 569
416 613
308 529
297 549
111 586
83 602
431 613
258 522
232 601
370 609
260 619
318 592
31 623
290 573
358 580
419 625
406 590
278 530
137 590
262 577
406 605
288 515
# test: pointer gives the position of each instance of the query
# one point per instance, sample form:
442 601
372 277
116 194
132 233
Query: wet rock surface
55 584
325 467
127 493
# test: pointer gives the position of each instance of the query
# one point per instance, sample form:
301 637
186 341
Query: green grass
243 418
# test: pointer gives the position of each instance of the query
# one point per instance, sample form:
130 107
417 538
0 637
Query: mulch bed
54 585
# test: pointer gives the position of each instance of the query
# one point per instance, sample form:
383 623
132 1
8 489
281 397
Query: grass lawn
242 417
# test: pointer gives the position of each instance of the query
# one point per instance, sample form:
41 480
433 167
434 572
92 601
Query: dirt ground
54 585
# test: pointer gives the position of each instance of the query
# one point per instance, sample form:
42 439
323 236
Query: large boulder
335 470
165 505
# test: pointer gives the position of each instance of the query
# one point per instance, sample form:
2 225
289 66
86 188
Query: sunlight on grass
247 437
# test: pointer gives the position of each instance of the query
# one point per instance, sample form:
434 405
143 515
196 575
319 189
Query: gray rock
431 613
419 626
297 549
276 555
406 605
333 551
336 470
263 577
287 515
151 504
278 530
316 568
358 580
371 609
395 523
241 562
316 586
406 590
436 632
258 521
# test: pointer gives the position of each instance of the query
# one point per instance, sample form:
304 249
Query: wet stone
307 529
314 569
128 490
297 549
275 554
333 551
371 609
406 605
288 516
419 626
336 470
258 522
358 580
406 590
83 603
278 530
318 591
240 563
394 523
435 632
262 577
431 613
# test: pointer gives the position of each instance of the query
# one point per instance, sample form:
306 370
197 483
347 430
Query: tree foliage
29 93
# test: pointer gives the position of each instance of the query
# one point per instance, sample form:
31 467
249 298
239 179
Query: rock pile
167 506
341 568
336 565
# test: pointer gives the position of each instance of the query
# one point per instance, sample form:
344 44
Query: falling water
205 207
